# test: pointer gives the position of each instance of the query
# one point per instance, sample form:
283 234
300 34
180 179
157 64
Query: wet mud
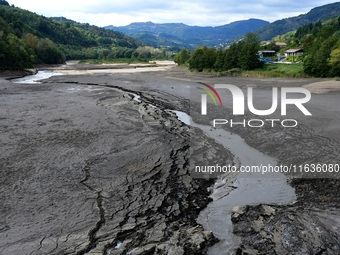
86 169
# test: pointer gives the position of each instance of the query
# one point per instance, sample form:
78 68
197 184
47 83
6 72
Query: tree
202 58
334 59
128 53
307 42
17 57
209 58
325 32
196 60
317 63
231 59
182 57
135 54
248 58
31 40
308 65
272 46
48 53
252 38
219 63
317 27
4 54
4 3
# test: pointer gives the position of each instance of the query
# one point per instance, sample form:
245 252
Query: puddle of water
135 97
182 116
34 79
73 89
130 252
251 188
153 106
118 245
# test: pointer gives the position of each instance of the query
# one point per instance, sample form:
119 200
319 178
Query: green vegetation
322 50
27 39
182 57
278 71
311 28
283 26
320 42
240 55
20 47
3 2
142 54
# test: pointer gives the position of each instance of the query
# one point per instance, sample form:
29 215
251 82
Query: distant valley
181 35
184 36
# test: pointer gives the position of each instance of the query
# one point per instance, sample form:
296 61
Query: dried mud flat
86 169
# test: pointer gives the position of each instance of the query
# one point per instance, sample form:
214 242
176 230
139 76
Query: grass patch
277 71
294 70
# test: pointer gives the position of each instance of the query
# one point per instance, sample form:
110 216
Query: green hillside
320 42
161 40
283 26
27 39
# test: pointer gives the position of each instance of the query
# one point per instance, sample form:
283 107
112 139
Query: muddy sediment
88 170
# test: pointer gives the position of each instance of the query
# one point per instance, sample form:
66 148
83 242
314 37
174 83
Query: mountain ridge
280 27
192 36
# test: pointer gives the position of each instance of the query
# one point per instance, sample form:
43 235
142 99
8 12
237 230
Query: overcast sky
200 13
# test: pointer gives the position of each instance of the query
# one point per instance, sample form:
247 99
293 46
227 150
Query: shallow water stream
251 188
34 79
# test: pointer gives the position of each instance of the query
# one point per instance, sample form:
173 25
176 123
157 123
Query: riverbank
72 183
66 156
16 74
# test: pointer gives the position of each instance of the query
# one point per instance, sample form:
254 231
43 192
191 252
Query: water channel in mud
250 188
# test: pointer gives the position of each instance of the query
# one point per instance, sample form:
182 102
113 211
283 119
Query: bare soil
88 170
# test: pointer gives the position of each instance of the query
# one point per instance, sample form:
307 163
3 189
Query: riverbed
66 156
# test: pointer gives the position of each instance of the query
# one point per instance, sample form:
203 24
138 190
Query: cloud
202 13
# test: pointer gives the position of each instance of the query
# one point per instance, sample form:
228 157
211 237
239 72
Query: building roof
267 51
280 44
293 50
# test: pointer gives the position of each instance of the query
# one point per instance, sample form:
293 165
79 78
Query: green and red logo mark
208 91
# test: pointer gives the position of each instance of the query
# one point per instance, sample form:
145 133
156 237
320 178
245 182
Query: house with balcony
267 53
293 52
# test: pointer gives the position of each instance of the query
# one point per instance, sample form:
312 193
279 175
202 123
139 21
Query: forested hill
27 39
179 34
283 26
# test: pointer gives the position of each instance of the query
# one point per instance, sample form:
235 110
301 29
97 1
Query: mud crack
93 239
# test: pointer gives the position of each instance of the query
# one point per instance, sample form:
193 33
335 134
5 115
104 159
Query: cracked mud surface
93 171
85 169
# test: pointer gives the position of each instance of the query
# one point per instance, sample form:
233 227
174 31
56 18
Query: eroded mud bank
87 168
